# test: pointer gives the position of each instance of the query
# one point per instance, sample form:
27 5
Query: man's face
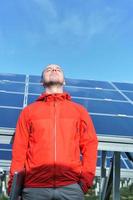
53 74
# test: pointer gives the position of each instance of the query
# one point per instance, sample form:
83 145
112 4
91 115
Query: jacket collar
54 97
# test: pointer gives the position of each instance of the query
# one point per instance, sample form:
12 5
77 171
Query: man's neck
54 89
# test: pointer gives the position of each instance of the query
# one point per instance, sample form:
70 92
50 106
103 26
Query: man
51 134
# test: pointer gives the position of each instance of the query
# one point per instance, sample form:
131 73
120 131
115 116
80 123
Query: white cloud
76 28
47 7
73 26
76 25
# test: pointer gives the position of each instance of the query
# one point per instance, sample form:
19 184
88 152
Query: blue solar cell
8 99
5 155
34 79
109 157
13 77
108 125
98 162
12 87
88 83
124 86
129 163
9 117
94 93
35 88
99 153
129 95
6 146
107 107
108 162
32 98
124 155
123 164
110 154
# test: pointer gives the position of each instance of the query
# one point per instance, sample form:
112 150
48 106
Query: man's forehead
53 66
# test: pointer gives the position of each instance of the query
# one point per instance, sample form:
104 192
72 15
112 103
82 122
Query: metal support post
103 172
116 176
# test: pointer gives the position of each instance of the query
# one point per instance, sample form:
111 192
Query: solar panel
35 88
94 93
5 154
110 105
112 125
88 83
129 95
106 102
13 77
124 86
11 99
34 79
8 117
32 98
106 107
12 86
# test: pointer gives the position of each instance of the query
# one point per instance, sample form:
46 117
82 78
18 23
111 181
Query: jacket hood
54 97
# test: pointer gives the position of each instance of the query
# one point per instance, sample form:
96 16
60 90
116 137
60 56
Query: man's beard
52 83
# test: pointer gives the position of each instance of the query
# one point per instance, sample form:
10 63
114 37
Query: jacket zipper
54 143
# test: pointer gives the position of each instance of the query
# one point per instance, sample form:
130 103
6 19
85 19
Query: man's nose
54 69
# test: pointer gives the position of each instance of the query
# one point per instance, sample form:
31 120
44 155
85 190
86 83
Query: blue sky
90 39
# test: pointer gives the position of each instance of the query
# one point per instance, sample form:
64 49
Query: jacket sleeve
20 145
88 149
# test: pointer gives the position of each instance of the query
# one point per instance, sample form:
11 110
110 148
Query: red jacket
51 134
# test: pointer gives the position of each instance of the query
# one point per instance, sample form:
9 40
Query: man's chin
53 83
